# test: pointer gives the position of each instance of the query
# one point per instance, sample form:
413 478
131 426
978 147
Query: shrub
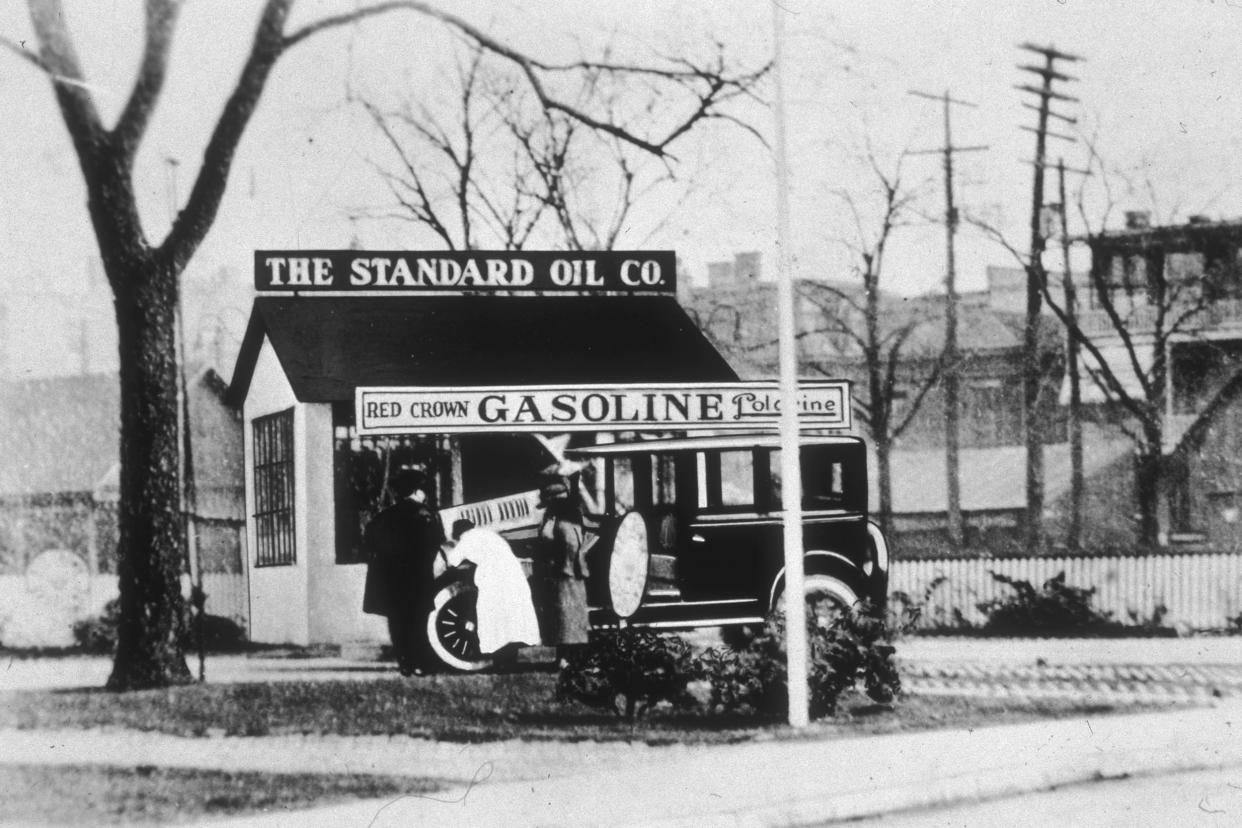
856 646
220 635
97 634
628 672
908 614
1233 626
748 677
1055 609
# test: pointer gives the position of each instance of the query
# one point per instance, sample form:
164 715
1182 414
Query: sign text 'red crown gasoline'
322 271
552 408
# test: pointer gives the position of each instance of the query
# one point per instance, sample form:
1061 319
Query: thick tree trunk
884 486
1147 473
152 545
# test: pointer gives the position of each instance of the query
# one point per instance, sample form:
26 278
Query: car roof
712 441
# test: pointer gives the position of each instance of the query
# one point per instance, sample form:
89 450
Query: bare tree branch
1104 378
30 57
161 19
925 386
716 87
60 60
192 223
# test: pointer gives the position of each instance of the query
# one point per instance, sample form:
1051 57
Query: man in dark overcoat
402 543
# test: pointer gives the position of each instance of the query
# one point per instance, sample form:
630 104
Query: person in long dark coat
563 567
402 543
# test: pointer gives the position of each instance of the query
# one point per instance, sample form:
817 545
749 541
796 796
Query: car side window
619 482
726 480
664 480
737 476
823 480
823 484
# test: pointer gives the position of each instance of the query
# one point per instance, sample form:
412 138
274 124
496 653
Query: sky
1160 88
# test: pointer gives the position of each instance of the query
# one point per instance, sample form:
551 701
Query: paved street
1198 798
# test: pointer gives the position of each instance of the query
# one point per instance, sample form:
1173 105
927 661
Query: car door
729 529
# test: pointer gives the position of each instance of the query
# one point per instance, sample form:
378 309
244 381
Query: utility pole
952 356
1036 282
1073 536
186 449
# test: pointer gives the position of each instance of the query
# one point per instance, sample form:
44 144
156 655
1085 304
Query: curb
961 790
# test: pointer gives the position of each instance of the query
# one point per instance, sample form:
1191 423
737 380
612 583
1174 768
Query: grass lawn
90 795
474 708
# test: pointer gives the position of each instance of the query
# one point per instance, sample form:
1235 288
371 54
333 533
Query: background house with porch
1174 293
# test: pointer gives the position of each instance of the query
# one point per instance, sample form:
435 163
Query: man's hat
406 479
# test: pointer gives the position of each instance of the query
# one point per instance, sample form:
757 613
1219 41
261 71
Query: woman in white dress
505 613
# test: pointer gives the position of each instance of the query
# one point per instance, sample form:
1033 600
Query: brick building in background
58 502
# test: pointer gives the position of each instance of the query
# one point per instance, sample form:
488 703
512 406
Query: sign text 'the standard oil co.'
551 408
332 271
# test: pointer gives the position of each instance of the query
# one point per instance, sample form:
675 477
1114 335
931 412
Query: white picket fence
1200 591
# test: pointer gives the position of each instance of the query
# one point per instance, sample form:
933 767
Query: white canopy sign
551 408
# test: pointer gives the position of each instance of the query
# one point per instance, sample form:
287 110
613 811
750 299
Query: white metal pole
791 471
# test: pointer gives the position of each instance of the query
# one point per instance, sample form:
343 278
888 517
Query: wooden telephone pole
1073 537
952 357
1036 281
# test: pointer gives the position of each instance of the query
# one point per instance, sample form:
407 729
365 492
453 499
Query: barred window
273 489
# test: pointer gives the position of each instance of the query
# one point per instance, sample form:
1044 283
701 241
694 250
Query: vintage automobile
691 536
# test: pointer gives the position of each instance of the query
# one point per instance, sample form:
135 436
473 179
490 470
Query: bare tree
144 274
878 338
505 168
458 179
1144 307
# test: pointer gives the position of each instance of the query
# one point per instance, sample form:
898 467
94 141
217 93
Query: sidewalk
795 782
1072 651
62 673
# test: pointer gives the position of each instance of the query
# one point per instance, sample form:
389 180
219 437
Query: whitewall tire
827 598
452 630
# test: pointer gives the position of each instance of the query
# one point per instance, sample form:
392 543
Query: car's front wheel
827 598
452 628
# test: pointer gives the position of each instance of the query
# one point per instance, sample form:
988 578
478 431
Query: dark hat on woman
554 491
